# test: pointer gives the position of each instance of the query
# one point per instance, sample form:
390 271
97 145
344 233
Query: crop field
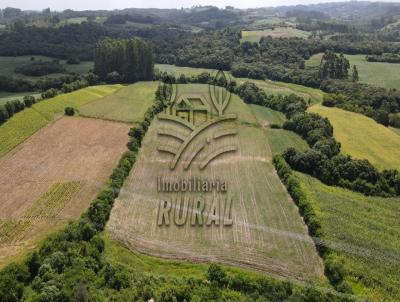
364 232
385 75
8 65
23 124
278 32
362 137
129 104
52 177
266 234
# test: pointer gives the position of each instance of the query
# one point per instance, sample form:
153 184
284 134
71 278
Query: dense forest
124 60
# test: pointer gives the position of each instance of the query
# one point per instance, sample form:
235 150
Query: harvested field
52 177
23 124
266 234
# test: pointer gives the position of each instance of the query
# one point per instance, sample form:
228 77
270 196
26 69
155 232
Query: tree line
127 60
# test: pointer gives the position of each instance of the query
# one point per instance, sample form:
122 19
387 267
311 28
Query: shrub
69 111
29 100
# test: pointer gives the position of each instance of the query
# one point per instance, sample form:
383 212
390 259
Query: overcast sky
118 4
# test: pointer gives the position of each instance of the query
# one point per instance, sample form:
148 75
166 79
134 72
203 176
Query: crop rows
13 230
53 201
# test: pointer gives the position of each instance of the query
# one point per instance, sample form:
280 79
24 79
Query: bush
69 111
275 126
113 77
41 68
29 100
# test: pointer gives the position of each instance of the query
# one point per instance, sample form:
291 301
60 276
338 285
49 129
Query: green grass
19 128
285 32
118 255
362 137
279 139
267 225
10 96
385 75
365 233
77 20
129 104
23 124
8 65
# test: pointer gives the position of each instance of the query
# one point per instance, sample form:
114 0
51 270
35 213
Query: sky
119 4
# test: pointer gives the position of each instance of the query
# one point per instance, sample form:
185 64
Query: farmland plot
53 176
266 232
25 123
129 104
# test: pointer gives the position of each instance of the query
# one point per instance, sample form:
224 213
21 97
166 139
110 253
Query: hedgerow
334 268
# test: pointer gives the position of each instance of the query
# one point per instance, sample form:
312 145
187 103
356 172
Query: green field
385 75
279 139
129 104
278 32
23 124
178 70
365 233
362 137
77 20
8 65
267 233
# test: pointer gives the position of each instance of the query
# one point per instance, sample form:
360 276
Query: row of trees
130 60
334 66
387 58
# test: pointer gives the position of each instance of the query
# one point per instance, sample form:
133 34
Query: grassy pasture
8 65
23 124
267 234
364 232
385 75
278 32
178 70
129 104
362 137
279 139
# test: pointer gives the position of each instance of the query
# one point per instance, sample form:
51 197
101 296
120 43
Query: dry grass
267 234
53 176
